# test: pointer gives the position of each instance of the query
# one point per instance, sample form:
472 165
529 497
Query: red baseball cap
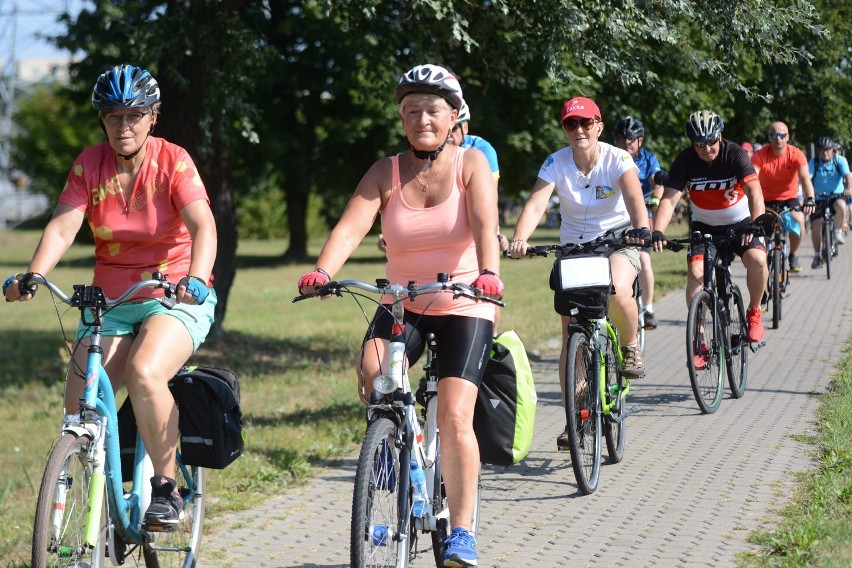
746 146
581 107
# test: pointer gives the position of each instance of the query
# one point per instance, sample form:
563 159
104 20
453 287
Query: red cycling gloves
490 284
313 280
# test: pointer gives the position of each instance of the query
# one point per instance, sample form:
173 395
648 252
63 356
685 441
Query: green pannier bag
504 417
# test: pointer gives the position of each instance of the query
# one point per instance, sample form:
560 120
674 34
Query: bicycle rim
63 502
704 353
375 506
736 359
180 548
614 431
582 412
776 276
826 248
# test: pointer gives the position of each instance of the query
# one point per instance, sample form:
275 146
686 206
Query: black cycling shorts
464 343
696 251
793 204
823 202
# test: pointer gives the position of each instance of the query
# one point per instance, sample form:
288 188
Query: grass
816 527
295 363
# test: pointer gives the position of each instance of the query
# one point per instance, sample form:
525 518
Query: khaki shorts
630 253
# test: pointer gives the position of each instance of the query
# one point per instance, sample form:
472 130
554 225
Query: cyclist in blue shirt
629 136
832 182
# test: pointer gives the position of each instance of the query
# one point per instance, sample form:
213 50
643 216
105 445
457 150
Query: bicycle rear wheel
614 430
583 412
179 548
827 236
375 506
776 276
704 352
63 502
736 356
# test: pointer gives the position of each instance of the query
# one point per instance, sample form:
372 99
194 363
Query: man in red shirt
781 168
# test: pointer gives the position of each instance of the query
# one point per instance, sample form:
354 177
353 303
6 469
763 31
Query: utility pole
8 71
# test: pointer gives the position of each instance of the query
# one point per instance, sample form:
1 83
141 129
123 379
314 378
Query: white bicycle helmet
464 113
704 126
430 78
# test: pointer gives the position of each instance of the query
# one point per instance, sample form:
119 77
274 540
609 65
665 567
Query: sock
649 308
162 486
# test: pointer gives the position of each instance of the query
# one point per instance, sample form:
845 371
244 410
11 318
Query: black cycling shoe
650 321
563 442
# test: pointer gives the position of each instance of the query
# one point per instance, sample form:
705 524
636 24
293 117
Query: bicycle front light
384 384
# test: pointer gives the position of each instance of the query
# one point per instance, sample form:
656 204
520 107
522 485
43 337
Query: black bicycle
716 326
828 246
776 261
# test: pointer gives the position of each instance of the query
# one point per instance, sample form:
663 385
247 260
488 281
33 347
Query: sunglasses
571 124
705 144
777 135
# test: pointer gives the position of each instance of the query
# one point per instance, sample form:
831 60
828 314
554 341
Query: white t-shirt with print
589 205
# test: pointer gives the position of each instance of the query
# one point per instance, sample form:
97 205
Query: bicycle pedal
159 527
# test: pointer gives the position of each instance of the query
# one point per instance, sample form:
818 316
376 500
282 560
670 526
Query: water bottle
418 483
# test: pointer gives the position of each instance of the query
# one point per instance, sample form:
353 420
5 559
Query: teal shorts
123 319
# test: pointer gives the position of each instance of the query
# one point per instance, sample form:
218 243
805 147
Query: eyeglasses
777 135
705 144
571 124
116 119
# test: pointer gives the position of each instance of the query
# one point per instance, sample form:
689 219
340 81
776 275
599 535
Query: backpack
210 420
504 416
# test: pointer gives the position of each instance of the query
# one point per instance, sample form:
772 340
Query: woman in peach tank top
438 207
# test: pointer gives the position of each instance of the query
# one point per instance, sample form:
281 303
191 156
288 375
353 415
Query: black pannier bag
582 282
210 422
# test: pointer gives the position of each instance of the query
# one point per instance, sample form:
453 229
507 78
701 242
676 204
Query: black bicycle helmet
704 126
825 143
430 78
125 86
629 128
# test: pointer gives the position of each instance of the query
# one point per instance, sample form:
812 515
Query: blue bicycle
86 516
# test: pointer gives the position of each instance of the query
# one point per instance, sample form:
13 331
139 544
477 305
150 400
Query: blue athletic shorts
122 320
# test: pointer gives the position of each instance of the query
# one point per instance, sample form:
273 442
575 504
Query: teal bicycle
85 516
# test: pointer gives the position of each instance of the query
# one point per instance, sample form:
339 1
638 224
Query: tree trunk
297 213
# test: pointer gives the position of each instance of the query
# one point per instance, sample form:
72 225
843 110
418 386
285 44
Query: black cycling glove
658 237
644 233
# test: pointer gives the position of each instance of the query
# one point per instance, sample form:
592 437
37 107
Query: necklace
424 186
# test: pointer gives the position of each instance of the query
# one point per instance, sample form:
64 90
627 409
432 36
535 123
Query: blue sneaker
385 474
460 549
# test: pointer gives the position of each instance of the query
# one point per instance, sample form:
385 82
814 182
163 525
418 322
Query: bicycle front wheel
179 548
375 506
583 412
736 356
61 509
776 277
704 352
614 430
827 236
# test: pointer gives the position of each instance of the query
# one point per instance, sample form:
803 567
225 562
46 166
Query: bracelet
486 271
518 241
323 272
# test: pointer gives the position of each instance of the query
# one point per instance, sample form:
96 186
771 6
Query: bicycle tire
736 353
375 502
640 309
707 381
180 548
67 464
827 235
615 432
776 275
582 410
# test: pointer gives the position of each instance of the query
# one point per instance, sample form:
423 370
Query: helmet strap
426 155
139 149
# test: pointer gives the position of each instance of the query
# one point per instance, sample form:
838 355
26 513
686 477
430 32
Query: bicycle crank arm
755 346
624 415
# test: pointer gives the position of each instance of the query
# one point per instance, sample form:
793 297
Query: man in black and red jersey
725 193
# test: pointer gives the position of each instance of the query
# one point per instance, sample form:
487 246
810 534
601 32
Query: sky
22 20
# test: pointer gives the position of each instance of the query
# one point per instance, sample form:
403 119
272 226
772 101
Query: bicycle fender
79 431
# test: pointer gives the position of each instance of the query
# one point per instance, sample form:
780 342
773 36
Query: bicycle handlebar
398 291
82 299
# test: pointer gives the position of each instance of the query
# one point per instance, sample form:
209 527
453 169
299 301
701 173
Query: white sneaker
838 234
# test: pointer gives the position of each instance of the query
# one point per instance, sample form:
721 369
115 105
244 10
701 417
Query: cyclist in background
781 167
724 193
599 190
438 207
748 148
629 136
832 182
149 212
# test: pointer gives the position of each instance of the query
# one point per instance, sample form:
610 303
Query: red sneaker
701 357
755 325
